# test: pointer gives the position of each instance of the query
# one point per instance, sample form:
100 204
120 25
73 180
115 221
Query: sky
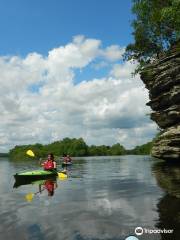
62 74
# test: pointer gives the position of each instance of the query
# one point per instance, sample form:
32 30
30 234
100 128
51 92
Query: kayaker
67 159
50 163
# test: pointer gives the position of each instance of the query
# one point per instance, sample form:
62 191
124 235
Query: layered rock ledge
162 79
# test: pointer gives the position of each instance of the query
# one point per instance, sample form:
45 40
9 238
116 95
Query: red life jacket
49 185
48 165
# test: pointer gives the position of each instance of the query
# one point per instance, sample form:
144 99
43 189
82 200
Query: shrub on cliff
156 28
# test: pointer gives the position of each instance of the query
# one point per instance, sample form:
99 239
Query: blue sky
40 25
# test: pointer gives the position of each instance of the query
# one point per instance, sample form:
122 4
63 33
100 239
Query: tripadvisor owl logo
139 231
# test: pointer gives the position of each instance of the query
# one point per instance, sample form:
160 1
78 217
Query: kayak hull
22 181
34 175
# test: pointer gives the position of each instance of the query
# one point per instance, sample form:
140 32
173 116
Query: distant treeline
4 154
75 147
144 149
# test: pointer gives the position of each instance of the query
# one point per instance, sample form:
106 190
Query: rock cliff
162 79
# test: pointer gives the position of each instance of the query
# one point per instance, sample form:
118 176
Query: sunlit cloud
40 101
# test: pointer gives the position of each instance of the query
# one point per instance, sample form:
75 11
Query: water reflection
102 199
168 178
49 185
46 185
169 216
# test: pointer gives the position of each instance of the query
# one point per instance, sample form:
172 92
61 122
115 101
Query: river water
104 198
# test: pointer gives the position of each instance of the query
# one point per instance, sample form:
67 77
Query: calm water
103 198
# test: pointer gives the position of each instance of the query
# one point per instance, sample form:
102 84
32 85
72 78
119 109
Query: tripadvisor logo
139 231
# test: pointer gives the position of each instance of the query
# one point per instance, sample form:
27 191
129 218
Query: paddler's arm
40 159
55 185
40 162
54 164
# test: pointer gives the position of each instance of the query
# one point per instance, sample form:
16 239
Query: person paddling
67 159
50 163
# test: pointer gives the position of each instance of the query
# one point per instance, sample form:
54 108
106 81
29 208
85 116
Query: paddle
61 175
29 196
30 153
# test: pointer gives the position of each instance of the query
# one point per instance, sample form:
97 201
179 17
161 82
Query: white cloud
113 53
124 70
102 111
77 54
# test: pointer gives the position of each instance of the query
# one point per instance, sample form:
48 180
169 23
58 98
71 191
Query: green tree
101 150
144 149
117 149
156 28
78 148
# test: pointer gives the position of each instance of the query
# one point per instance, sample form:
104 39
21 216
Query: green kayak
35 174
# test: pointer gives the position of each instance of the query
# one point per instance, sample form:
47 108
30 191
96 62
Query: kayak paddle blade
30 153
29 197
62 176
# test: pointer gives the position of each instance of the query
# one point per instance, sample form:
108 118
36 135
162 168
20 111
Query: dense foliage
156 28
103 150
141 150
73 147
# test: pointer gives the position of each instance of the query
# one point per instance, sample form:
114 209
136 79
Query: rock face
162 79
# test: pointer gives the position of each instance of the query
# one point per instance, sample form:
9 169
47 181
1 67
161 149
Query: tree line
4 154
75 147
